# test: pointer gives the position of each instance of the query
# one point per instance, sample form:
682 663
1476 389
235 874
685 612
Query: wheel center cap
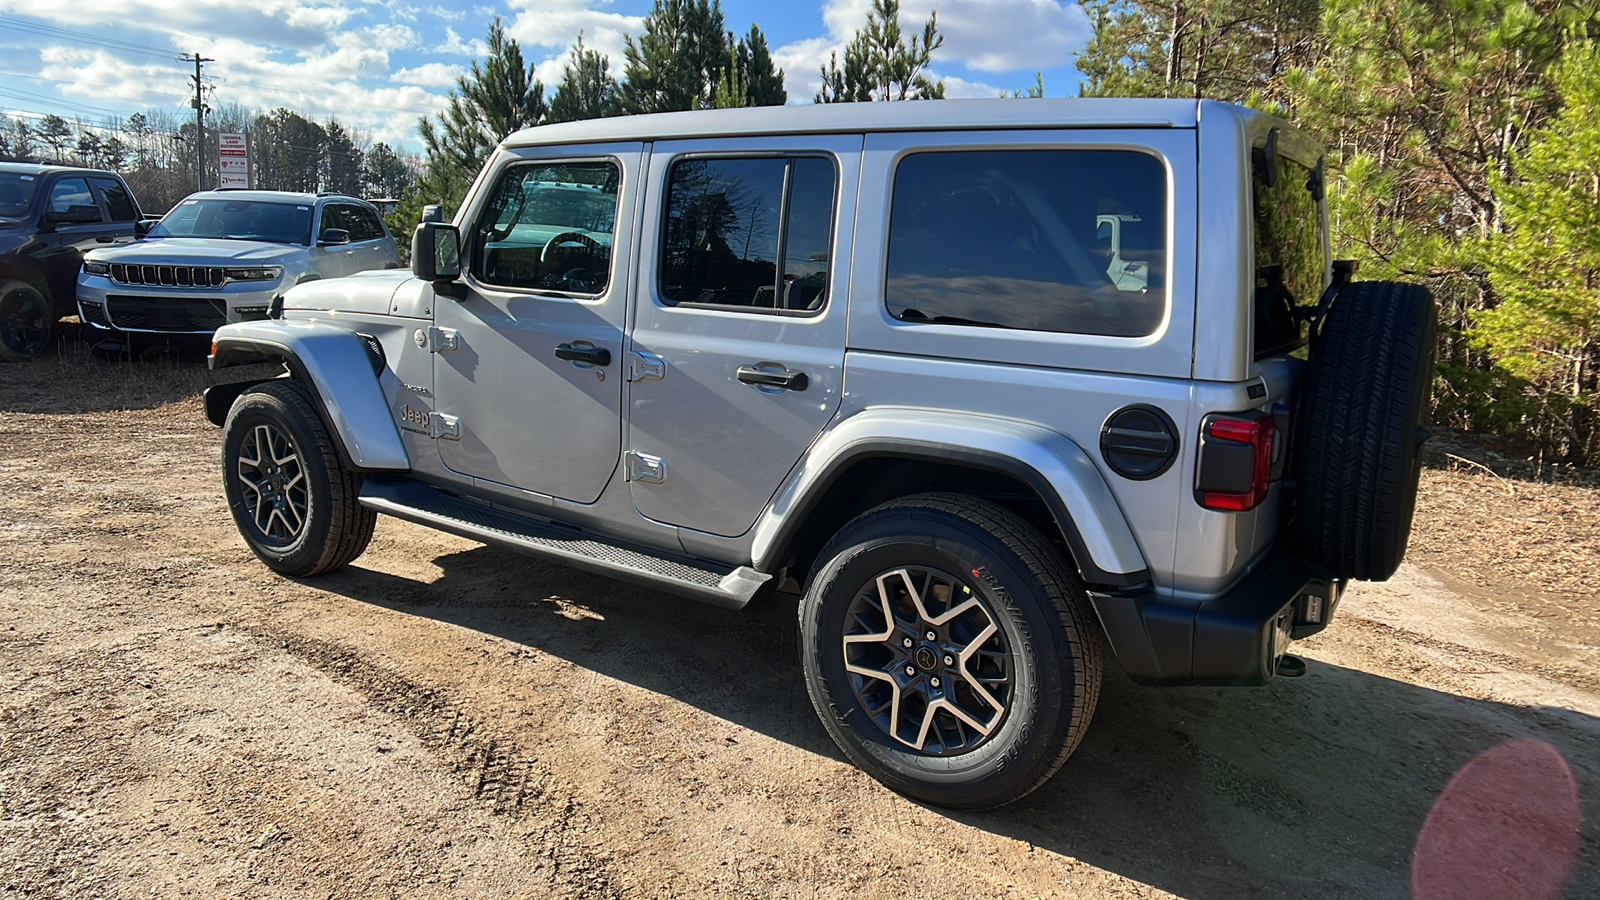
925 658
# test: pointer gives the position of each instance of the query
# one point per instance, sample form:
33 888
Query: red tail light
1235 469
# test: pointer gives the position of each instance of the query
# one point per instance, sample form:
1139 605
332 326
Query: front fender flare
335 364
1052 464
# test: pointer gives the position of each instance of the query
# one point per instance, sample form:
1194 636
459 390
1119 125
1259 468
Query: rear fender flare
1090 519
338 368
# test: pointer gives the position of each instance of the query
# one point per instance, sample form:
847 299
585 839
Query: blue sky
380 64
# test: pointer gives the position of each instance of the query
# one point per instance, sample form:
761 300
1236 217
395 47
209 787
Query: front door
737 358
533 386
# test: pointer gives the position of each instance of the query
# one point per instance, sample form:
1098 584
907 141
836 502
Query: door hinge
646 366
643 467
435 339
444 427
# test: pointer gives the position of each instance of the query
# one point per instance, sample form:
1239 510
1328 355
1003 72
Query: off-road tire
1033 597
26 320
1357 455
336 527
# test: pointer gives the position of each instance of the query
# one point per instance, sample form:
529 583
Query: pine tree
763 80
880 65
587 90
498 97
55 131
678 60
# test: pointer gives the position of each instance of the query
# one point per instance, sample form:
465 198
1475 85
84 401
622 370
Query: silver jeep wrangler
996 383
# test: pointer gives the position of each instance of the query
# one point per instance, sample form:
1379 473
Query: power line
109 43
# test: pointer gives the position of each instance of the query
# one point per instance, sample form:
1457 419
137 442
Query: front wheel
949 650
26 319
294 501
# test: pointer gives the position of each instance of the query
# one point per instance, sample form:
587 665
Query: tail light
1235 468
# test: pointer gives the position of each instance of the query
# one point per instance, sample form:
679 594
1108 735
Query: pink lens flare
1508 826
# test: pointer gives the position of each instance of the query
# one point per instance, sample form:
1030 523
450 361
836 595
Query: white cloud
555 24
430 75
453 44
960 88
280 23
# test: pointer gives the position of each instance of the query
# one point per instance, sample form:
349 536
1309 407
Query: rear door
737 356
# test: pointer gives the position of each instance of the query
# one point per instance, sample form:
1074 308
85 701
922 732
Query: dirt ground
445 719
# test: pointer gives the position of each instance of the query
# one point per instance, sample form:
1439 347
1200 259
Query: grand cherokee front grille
166 313
172 276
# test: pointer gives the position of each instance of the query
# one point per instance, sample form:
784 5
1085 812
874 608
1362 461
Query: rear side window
117 200
1290 264
1046 240
749 234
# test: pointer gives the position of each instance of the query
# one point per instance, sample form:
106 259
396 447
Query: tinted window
365 225
1047 240
16 193
117 200
749 233
70 192
1288 243
337 215
245 220
549 225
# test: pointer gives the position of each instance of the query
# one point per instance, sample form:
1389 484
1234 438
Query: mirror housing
333 237
436 255
141 228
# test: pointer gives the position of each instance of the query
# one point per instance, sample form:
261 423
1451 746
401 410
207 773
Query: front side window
549 226
751 234
70 192
242 220
1046 240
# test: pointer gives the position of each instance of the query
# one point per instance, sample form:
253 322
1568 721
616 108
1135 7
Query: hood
367 292
198 252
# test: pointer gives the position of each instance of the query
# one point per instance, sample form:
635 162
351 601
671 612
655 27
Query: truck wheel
949 650
294 502
26 319
1358 452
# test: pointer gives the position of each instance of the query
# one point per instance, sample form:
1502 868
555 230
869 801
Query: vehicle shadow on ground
1311 787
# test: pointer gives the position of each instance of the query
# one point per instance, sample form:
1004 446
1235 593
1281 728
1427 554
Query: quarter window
751 234
1046 240
549 225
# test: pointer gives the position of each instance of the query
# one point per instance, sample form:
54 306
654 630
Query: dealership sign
233 151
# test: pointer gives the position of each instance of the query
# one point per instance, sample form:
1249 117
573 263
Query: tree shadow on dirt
1311 787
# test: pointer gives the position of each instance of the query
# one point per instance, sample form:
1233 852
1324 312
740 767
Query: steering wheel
569 237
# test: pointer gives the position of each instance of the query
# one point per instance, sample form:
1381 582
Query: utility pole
199 105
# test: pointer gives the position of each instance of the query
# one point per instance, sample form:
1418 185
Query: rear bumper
1235 638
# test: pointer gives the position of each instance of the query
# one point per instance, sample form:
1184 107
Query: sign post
233 151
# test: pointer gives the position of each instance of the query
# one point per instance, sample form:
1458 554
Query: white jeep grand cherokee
222 256
996 383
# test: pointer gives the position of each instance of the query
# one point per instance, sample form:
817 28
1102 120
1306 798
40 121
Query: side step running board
725 586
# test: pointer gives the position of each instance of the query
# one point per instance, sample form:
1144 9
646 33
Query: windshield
240 220
16 194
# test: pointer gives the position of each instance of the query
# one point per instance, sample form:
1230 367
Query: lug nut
911 670
934 682
949 660
906 643
931 636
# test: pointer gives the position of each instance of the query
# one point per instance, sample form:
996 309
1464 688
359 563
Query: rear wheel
26 320
291 497
949 650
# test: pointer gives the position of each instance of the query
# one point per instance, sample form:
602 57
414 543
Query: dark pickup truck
50 215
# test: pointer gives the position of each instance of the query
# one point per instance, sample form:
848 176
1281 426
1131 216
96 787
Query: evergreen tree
341 160
1545 266
55 131
385 173
679 59
880 65
89 148
587 90
500 96
114 153
763 80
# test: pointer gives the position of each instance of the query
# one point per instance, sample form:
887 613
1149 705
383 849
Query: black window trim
1028 146
783 228
467 249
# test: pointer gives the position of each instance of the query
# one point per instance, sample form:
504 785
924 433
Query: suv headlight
254 273
96 268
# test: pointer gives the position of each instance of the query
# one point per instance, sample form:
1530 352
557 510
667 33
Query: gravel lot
449 720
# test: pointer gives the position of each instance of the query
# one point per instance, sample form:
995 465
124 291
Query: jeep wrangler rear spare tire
294 502
949 650
1358 449
26 319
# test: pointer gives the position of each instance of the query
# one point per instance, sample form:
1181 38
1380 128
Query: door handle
788 380
594 356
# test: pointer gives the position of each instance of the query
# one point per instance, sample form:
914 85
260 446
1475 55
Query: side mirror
333 237
436 252
141 228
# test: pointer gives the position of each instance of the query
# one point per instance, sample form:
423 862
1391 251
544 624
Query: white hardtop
929 115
